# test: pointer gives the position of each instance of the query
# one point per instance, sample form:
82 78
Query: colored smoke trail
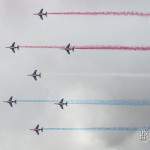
111 102
40 46
35 101
128 129
94 102
103 13
94 47
109 47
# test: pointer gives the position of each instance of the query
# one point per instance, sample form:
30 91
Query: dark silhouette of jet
69 48
62 103
13 47
35 75
41 14
37 129
11 101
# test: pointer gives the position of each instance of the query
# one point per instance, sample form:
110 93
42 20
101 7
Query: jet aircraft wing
41 11
12 50
61 106
10 99
10 104
61 101
35 72
13 44
68 52
35 78
68 46
37 127
41 16
37 132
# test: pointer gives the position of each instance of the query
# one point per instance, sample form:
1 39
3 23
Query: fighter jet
41 14
11 101
62 103
35 75
13 47
69 48
37 129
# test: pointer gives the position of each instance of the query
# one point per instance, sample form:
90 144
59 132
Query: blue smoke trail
34 101
95 102
128 129
111 102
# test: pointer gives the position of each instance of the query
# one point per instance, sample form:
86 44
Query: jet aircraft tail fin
42 129
73 49
40 75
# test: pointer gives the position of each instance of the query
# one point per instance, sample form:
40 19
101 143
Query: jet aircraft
69 48
13 47
11 101
35 75
62 103
41 14
37 129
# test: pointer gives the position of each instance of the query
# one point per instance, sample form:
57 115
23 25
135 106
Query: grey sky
18 24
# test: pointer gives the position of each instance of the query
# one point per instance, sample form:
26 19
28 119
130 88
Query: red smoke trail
96 47
109 47
105 13
34 46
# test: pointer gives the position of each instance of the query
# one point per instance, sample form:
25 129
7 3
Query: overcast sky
17 23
